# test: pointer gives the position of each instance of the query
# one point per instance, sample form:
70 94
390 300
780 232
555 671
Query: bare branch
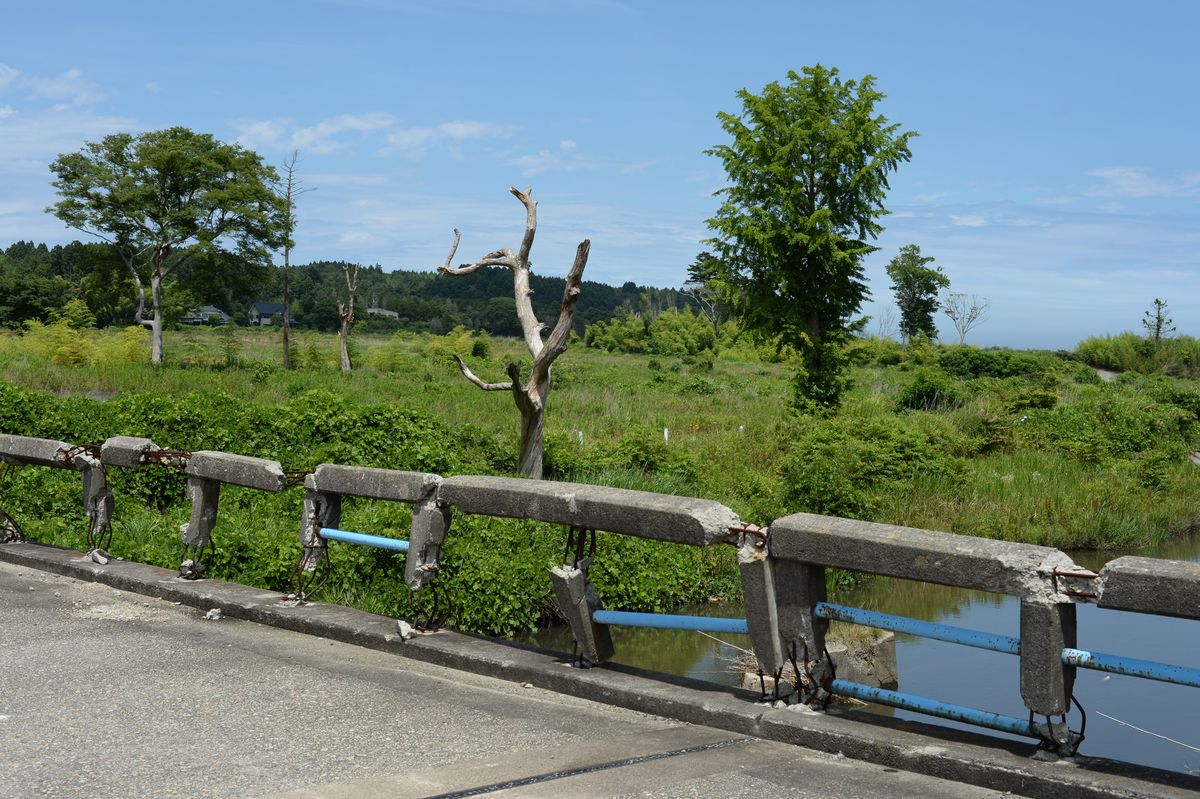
467 373
530 223
502 257
556 344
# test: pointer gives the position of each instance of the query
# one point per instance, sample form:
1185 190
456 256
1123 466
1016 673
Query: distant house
205 315
262 312
383 312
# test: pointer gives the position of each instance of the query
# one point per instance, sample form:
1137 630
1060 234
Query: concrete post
578 599
205 494
97 498
1046 682
430 521
758 592
320 510
798 588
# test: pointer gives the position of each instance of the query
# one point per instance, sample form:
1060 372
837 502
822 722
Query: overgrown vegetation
1020 446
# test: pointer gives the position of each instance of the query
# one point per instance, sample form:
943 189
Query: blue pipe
932 707
923 629
377 541
1149 669
664 621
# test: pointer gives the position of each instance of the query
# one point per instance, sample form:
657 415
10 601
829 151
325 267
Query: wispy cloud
8 76
1136 182
415 141
68 87
564 158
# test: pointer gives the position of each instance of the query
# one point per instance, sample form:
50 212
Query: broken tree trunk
531 395
346 316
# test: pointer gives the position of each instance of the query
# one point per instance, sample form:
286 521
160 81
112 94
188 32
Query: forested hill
36 279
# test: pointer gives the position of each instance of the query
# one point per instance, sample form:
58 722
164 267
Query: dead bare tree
965 311
289 188
346 315
531 395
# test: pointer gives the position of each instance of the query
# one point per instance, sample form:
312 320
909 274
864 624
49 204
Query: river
981 679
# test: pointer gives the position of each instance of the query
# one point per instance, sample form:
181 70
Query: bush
968 362
843 466
930 390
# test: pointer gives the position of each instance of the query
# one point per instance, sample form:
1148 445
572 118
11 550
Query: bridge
782 569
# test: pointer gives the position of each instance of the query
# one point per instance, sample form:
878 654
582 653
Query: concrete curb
935 751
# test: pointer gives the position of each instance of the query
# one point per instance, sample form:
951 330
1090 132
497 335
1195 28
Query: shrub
843 466
968 362
930 390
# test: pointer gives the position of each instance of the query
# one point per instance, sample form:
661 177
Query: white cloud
262 134
1136 182
968 220
322 137
8 75
69 87
6 111
152 87
415 140
563 159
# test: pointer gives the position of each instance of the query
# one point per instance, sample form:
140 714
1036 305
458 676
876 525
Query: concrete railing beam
125 451
680 520
241 470
388 484
1001 567
1151 585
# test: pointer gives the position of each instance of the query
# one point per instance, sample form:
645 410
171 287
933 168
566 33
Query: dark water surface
981 679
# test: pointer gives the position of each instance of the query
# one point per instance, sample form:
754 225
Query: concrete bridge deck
112 693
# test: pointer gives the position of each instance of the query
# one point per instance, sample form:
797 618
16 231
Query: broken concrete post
798 589
1151 585
125 451
681 520
241 470
430 521
204 494
758 592
1046 682
578 599
1046 629
97 498
320 510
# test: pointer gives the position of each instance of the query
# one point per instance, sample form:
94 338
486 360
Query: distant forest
36 281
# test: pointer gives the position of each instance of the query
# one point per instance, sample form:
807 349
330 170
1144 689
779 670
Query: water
981 679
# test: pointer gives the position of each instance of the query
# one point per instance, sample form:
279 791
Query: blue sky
1055 173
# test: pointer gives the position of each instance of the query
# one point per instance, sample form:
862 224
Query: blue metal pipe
1117 664
377 541
932 707
665 621
922 629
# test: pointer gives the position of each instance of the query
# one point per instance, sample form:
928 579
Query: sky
1055 174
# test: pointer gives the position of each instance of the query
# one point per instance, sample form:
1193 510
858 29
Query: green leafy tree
808 169
165 197
916 286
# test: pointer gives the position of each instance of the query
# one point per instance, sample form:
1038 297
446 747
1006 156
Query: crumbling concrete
125 451
1002 567
578 599
24 450
98 502
204 494
320 510
1151 585
682 520
758 592
361 481
1046 683
430 521
241 470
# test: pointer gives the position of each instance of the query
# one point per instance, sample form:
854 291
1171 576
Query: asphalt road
109 694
